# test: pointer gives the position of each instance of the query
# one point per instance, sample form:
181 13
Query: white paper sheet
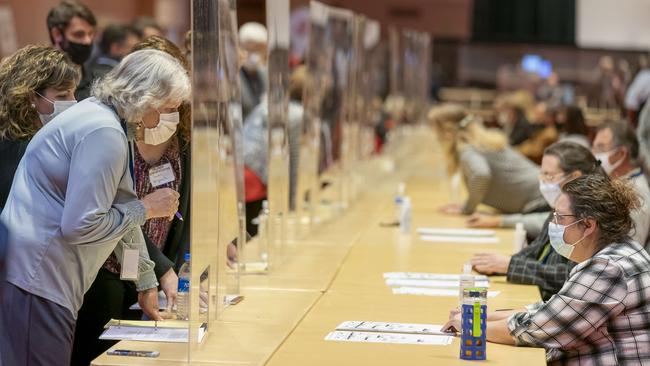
423 291
454 232
432 283
430 276
397 338
460 239
385 327
148 334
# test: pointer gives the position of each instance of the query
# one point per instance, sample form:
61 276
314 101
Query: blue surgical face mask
556 236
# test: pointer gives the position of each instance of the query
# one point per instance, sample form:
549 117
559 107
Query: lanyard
131 158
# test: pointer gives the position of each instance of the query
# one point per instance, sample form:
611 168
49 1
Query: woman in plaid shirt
601 315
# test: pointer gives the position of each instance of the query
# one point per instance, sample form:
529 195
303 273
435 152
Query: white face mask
59 107
253 61
163 131
550 192
556 236
604 161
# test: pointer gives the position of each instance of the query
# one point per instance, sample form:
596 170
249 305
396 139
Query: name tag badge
161 174
130 259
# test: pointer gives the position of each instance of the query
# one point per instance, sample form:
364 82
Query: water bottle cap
187 257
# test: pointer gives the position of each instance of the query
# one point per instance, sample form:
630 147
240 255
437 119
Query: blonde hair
457 129
31 69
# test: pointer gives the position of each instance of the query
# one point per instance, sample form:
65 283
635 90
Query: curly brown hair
608 201
185 110
31 69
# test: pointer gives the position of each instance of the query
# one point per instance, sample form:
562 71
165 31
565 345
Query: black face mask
78 52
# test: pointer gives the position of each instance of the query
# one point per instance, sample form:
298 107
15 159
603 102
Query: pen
126 352
178 214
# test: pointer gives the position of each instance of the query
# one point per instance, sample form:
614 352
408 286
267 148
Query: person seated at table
538 264
600 316
544 135
617 148
167 151
572 127
36 84
494 173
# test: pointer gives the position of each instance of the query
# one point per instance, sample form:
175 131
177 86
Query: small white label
130 259
161 174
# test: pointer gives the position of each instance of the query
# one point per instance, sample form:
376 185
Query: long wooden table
335 274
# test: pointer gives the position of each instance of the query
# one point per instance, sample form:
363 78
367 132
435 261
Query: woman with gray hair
72 203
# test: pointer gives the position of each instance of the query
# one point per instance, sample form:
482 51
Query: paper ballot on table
423 291
455 232
148 334
430 276
385 327
460 239
432 283
397 338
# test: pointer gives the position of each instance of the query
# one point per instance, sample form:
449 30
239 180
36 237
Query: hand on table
169 286
483 220
453 325
491 263
451 208
148 300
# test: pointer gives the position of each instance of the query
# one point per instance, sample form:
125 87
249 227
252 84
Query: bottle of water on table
183 296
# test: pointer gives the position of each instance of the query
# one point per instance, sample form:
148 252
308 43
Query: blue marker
178 214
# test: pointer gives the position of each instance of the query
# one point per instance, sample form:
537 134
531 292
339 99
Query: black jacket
11 152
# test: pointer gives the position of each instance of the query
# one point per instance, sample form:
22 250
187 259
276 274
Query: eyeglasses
551 178
558 217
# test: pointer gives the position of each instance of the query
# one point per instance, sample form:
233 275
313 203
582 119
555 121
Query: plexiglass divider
217 170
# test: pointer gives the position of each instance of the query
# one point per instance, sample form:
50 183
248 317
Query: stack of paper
397 333
431 284
457 235
174 331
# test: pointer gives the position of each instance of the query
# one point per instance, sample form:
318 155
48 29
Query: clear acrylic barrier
217 170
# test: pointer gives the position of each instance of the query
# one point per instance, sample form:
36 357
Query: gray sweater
71 202
505 180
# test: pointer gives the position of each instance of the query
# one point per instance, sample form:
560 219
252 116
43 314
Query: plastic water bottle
183 296
405 216
519 240
473 324
399 199
466 280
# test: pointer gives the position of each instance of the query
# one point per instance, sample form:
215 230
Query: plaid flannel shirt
549 274
601 316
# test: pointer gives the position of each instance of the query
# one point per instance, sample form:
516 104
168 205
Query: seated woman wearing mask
162 159
600 316
494 174
36 84
73 202
538 264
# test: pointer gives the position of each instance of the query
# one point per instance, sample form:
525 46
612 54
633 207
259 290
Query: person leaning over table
601 314
494 173
538 264
72 203
165 146
36 84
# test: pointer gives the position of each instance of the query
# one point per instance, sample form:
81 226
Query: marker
178 214
126 352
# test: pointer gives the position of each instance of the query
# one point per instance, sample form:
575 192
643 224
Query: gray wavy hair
143 80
